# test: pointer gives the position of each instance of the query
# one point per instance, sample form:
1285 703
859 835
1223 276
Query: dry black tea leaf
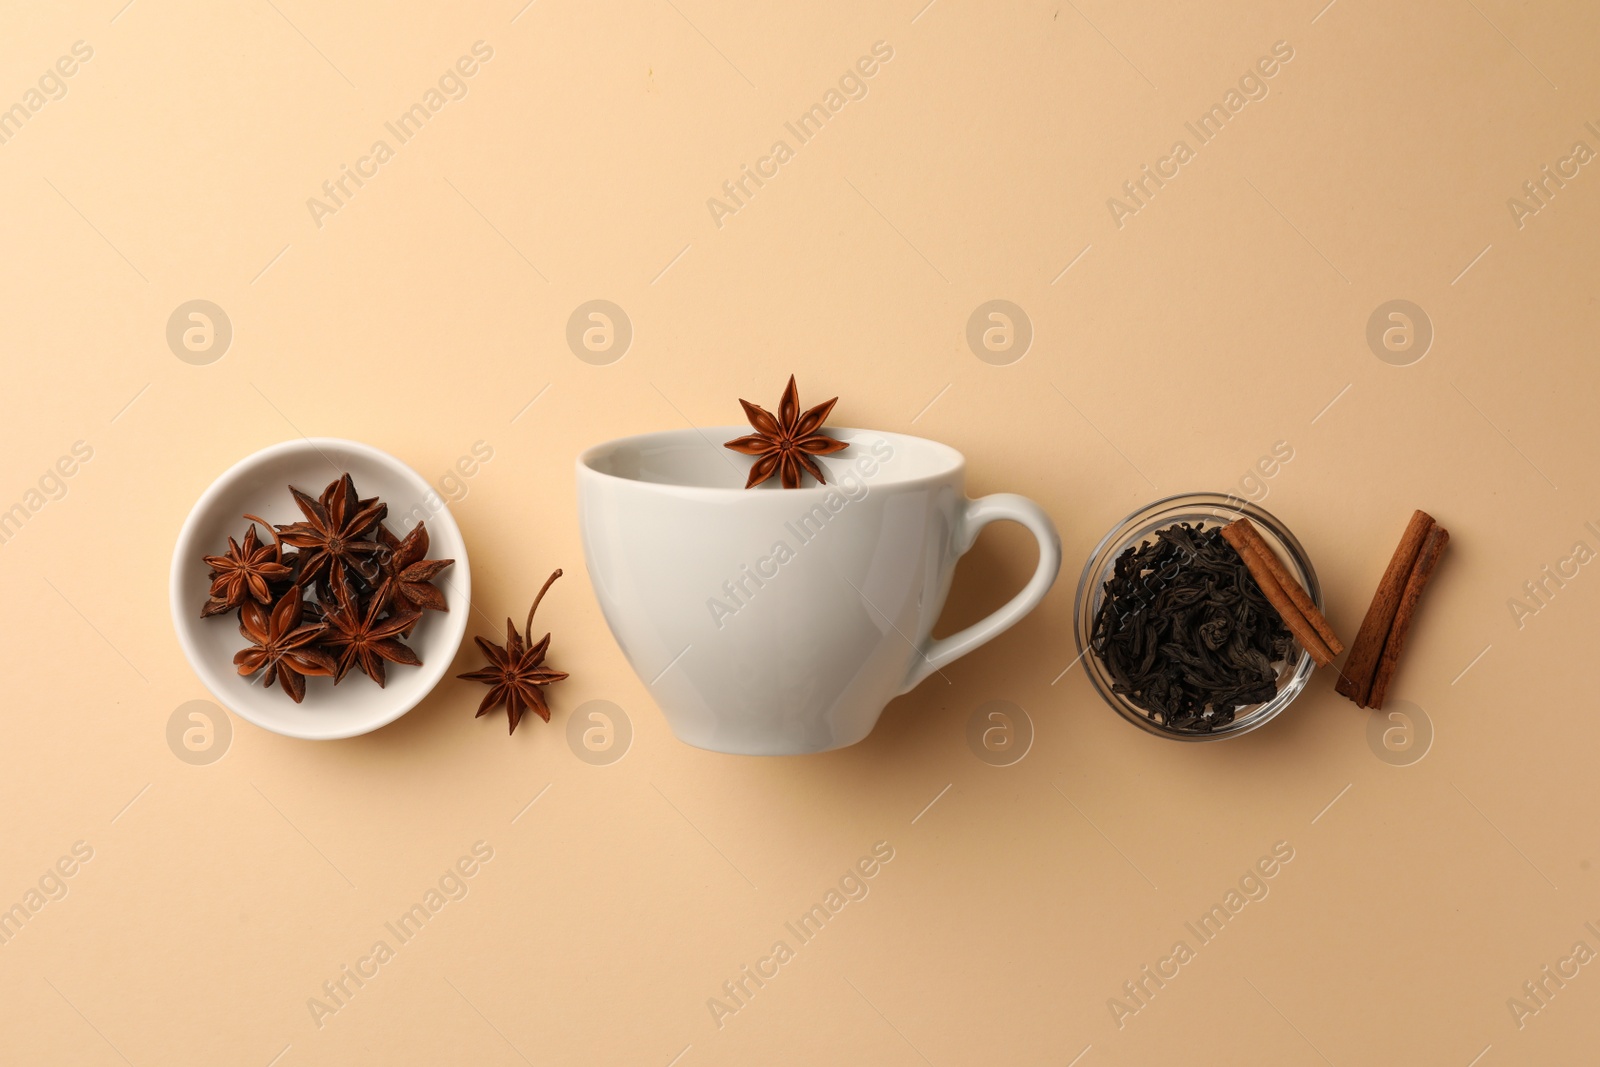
1185 632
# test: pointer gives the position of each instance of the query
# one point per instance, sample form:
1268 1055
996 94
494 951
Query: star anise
785 444
358 637
361 501
401 564
281 645
515 673
333 536
242 573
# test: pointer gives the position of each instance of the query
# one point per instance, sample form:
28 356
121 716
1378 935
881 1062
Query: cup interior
696 459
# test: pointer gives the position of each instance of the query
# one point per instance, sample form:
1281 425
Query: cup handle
934 654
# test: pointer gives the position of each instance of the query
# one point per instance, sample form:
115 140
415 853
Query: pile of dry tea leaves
1185 631
345 597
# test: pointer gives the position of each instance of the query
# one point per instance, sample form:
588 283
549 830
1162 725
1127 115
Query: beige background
1227 315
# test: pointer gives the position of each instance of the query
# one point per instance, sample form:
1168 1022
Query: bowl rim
186 550
1220 505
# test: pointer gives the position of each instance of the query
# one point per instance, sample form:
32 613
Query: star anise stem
271 529
527 628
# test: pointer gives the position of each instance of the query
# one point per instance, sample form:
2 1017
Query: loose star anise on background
408 574
243 573
515 673
357 636
333 537
281 645
785 444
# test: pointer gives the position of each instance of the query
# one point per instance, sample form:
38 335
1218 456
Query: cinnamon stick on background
1427 559
1266 569
1361 666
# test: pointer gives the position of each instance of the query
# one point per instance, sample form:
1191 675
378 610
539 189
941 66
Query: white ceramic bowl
259 484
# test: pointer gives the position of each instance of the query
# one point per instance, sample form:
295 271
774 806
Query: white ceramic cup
774 621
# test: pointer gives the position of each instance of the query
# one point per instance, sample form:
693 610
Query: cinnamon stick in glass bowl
1292 603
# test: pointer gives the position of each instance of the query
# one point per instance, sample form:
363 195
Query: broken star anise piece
358 637
243 573
281 645
410 576
515 673
333 538
785 444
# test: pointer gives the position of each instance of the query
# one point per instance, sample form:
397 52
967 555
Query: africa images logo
853 886
806 527
452 85
1253 886
737 192
452 886
1252 85
51 87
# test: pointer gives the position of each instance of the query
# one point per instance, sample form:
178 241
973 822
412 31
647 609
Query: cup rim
713 436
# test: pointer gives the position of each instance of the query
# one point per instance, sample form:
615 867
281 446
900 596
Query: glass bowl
1205 510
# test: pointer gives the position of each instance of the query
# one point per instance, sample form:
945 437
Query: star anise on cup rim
515 673
281 645
244 572
785 443
333 536
409 575
358 637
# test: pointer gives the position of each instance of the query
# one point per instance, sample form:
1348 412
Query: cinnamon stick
1355 677
1421 571
1302 599
1304 632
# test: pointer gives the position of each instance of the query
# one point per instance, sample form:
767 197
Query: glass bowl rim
1122 535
